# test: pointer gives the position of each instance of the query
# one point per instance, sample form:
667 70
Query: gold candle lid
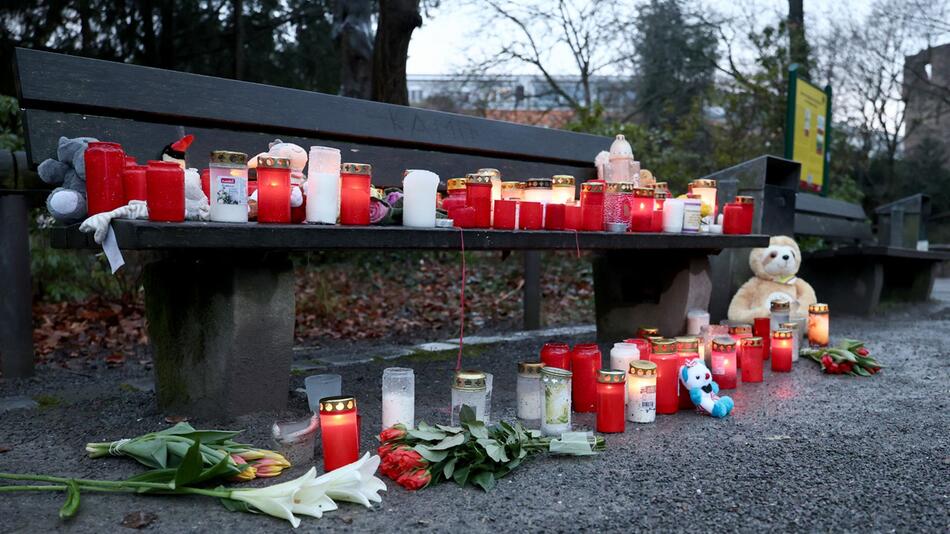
753 341
538 183
611 376
788 326
469 380
643 192
530 368
820 307
228 157
356 168
780 305
662 194
745 200
642 368
478 179
562 180
687 344
592 187
646 176
507 186
663 346
647 331
724 344
494 173
454 184
620 187
270 162
703 182
783 333
740 329
343 403
555 372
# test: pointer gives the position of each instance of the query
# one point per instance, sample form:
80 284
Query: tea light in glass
782 350
478 191
641 210
706 189
468 389
611 394
322 386
739 331
778 313
512 190
273 190
706 335
563 188
295 440
641 392
818 325
723 360
528 390
399 397
339 431
555 401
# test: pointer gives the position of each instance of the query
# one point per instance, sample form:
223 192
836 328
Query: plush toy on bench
67 203
703 391
775 268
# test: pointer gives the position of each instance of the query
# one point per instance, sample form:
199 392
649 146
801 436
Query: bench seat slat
878 250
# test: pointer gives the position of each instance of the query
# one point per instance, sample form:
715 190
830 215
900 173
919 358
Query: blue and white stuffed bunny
704 393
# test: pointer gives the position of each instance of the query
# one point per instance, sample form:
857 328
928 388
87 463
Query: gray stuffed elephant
67 203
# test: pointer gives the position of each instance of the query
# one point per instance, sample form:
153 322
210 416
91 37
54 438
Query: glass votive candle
399 397
641 392
621 354
555 401
750 356
739 331
455 187
530 215
463 217
611 400
706 189
538 190
355 179
641 210
320 387
554 217
617 201
748 213
478 188
505 214
695 320
512 190
227 185
795 327
692 214
134 185
572 217
668 363
643 345
495 177
295 440
273 190
762 327
673 216
659 199
324 169
818 325
782 350
206 183
563 189
420 190
687 347
469 388
723 360
489 386
556 355
165 184
585 362
339 431
732 217
778 313
592 206
528 390
708 333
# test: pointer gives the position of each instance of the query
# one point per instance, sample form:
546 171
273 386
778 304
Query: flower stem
87 482
43 487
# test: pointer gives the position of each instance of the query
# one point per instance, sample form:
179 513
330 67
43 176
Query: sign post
808 130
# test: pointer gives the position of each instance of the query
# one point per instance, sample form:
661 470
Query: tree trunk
147 9
397 20
85 30
797 44
166 43
238 9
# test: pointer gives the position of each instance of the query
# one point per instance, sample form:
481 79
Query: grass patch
48 401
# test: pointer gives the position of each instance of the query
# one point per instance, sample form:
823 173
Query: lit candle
762 327
782 351
469 388
528 390
227 185
165 182
419 189
104 165
478 190
723 360
706 189
339 431
667 360
273 190
778 313
323 185
695 320
687 347
355 181
818 325
563 189
134 185
556 355
585 361
617 201
748 213
555 401
750 356
399 397
659 197
538 190
512 190
641 392
611 394
456 190
796 337
641 216
738 332
592 206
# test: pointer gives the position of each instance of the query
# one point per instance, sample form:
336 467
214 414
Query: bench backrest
903 223
145 108
830 219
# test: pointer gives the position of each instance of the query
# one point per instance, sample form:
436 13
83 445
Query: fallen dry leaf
138 519
175 419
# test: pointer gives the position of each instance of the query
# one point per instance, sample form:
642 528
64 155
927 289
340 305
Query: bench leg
532 290
221 328
908 280
656 288
16 297
850 285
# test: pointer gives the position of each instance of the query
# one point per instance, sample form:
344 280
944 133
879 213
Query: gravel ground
802 451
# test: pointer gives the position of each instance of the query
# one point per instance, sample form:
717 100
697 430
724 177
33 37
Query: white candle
621 354
673 216
419 188
641 392
695 321
323 185
399 397
555 401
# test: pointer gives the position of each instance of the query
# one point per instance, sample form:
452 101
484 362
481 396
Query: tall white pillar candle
418 208
323 185
673 216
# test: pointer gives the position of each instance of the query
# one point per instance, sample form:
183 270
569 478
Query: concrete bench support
221 328
16 295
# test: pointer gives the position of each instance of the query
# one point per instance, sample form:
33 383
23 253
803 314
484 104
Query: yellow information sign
808 128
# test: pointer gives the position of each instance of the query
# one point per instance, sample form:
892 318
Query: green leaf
495 450
151 452
466 414
460 476
860 370
164 476
234 505
449 468
449 442
450 429
190 467
180 428
484 480
222 468
478 429
71 506
429 454
210 437
427 435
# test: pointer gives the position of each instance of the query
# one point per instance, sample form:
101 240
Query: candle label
692 217
557 404
231 191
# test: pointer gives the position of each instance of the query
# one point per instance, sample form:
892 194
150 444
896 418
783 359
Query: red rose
392 433
861 351
415 480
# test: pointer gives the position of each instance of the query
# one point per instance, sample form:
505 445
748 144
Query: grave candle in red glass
104 165
723 361
738 332
611 386
529 215
556 355
748 212
641 216
339 431
554 216
273 190
129 160
592 206
782 351
165 191
732 218
505 212
463 217
456 199
572 217
659 199
134 185
478 191
750 356
354 193
585 361
206 182
688 349
668 363
762 327
617 199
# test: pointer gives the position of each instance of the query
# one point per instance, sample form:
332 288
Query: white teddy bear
704 393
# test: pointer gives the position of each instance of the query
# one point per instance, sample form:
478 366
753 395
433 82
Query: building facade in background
926 92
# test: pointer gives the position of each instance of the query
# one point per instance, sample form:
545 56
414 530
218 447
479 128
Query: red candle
748 212
750 356
129 160
104 165
585 361
688 349
463 217
782 351
646 332
762 327
592 206
134 185
339 432
572 217
668 363
659 199
206 182
643 346
611 385
732 219
273 190
641 214
505 214
478 194
556 355
554 216
165 191
354 193
456 198
529 216
723 360
738 332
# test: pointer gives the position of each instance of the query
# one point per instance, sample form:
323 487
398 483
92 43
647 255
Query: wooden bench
220 301
856 271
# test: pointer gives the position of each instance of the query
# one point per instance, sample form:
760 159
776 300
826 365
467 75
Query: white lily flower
355 482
